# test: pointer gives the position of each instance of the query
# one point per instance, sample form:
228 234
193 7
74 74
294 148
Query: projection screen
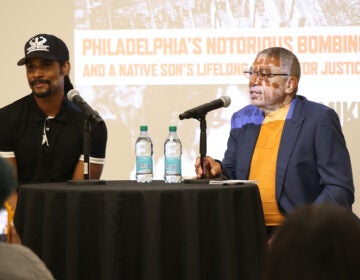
145 62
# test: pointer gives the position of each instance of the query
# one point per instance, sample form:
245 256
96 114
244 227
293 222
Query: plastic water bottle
144 156
172 157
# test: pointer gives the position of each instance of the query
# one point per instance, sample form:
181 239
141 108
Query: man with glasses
293 147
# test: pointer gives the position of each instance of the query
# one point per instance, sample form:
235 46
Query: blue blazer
313 164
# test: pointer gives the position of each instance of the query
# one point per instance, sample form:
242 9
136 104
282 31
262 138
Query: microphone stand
202 147
86 148
86 152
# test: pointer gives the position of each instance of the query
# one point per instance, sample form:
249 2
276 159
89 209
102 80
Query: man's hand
212 168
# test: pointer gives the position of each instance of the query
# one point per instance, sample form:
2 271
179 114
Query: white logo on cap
37 44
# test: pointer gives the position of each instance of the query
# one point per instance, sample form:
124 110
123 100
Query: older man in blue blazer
294 148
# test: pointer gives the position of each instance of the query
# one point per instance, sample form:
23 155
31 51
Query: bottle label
172 165
144 164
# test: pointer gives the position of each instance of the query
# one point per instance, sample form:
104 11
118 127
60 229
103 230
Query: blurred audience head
8 181
316 243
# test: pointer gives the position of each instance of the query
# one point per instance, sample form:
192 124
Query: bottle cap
143 128
172 128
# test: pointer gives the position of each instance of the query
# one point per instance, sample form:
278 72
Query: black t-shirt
47 149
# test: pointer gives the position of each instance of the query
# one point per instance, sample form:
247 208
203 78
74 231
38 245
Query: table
127 230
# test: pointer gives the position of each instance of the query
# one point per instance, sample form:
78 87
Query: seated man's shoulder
312 109
17 103
19 262
247 115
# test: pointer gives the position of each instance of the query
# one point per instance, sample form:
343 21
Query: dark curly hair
8 180
316 243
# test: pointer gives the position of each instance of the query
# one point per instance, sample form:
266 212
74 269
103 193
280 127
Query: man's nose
38 71
254 80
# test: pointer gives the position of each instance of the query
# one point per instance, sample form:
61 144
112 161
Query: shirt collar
40 116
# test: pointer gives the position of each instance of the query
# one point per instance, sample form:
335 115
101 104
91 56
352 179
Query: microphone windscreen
72 93
227 100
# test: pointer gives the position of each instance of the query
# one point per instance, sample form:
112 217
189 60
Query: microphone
74 96
201 110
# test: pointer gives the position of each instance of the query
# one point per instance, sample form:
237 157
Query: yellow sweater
263 164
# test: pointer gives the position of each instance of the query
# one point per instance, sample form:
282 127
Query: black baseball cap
45 46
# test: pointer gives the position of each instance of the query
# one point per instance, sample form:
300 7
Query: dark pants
270 230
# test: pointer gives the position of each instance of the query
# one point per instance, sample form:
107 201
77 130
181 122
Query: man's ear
291 84
65 68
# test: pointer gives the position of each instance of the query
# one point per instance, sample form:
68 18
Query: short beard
41 95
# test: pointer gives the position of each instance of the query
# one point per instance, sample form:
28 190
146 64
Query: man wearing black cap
41 134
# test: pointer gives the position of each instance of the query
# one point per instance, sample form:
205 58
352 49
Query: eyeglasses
262 74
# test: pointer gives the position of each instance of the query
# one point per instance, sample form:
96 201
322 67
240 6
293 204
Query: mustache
36 81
